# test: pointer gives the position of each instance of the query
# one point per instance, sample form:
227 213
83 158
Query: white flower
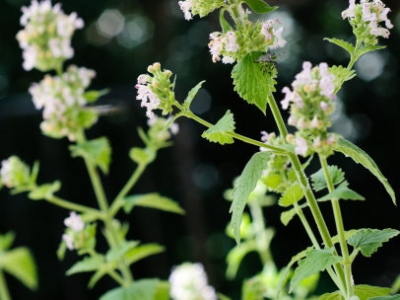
301 146
230 42
189 282
215 46
186 7
273 37
48 30
74 221
69 241
148 98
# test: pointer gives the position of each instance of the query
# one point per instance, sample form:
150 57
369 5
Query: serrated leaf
369 240
394 297
347 235
366 292
19 263
251 83
245 185
97 151
342 192
88 264
217 133
225 26
119 251
287 216
361 157
260 7
315 261
341 74
291 196
192 93
285 273
343 44
45 191
370 48
142 155
319 181
152 200
144 289
142 251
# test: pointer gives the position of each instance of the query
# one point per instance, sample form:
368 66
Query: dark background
193 171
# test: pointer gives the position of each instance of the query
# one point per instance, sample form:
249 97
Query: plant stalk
4 293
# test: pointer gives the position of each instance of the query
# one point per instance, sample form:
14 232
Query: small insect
267 62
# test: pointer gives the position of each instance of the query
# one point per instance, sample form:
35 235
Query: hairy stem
308 193
340 229
119 200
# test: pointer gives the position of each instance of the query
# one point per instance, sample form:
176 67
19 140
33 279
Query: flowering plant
279 168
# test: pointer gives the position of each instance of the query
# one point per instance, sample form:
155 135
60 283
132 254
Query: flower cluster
365 18
156 91
14 173
234 45
278 176
62 100
311 104
189 282
46 38
74 224
202 8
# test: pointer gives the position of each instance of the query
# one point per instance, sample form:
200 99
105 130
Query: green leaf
223 297
287 216
97 151
100 273
93 95
245 185
367 49
45 191
217 133
316 261
19 263
87 264
225 26
144 289
331 296
142 155
291 196
142 251
260 7
366 292
251 83
341 74
152 200
319 181
6 240
361 157
342 192
343 44
369 240
347 235
286 271
192 93
119 251
394 297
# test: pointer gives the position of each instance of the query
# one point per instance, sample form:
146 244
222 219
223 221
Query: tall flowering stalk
278 166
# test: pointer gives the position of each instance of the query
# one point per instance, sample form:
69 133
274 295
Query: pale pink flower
74 221
301 146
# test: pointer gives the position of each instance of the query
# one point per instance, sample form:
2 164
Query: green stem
315 243
119 200
308 193
73 206
340 229
190 115
260 235
4 293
